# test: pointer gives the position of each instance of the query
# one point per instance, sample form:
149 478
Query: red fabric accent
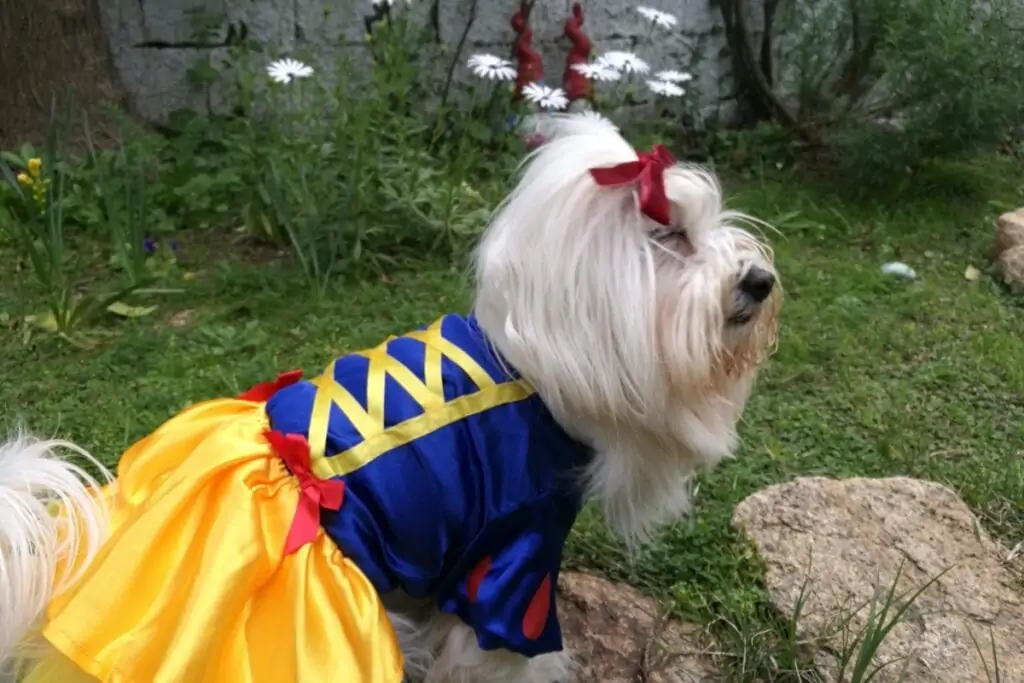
476 577
262 392
313 493
576 85
648 171
536 617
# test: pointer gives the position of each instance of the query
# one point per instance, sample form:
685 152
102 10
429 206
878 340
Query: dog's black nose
757 284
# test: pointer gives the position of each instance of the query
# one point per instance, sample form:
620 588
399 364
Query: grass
874 376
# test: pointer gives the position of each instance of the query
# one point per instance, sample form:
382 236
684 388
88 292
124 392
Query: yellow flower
24 180
34 165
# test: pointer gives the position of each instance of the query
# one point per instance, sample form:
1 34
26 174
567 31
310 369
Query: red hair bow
649 172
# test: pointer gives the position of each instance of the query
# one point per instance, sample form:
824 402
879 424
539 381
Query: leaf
44 321
972 274
125 311
27 152
91 306
12 159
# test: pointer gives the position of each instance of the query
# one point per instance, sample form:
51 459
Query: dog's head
618 286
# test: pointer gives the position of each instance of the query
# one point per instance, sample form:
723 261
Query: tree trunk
50 48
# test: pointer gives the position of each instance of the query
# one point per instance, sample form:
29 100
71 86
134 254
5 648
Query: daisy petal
673 76
657 17
665 88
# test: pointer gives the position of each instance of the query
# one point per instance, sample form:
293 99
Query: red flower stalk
576 85
529 67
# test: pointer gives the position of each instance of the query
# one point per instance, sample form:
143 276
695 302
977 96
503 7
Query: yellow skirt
193 585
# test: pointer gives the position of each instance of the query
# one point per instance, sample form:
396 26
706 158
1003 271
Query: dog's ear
696 200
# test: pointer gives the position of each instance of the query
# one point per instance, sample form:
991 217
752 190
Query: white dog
614 288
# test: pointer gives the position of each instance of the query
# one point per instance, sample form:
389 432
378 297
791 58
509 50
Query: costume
252 537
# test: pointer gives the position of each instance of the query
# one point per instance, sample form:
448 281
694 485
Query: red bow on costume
313 493
649 171
263 391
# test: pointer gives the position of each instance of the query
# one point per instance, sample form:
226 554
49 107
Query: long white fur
623 335
625 344
41 553
624 338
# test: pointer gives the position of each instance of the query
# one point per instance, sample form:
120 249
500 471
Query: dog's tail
52 522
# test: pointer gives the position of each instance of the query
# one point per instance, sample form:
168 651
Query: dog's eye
675 240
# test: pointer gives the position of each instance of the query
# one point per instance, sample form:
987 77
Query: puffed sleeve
507 592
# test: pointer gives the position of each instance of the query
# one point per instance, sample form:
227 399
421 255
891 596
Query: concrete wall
154 45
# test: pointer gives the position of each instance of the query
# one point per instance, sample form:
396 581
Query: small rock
972 274
616 635
848 539
182 318
899 269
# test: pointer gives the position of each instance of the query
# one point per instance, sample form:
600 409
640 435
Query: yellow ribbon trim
429 394
419 426
434 341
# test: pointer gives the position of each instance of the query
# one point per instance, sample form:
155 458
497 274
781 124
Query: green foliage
347 167
889 87
36 222
354 168
119 190
950 77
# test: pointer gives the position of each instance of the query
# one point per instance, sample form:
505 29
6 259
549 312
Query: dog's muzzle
753 288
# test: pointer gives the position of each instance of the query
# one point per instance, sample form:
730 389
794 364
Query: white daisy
665 88
597 72
673 76
626 62
491 67
284 70
599 117
659 18
546 97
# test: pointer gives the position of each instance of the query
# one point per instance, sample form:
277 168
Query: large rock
1009 233
850 539
1007 249
1011 265
617 635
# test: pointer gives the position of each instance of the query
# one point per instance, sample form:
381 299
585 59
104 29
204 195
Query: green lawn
874 375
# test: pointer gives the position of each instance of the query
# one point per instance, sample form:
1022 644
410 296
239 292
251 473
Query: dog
620 315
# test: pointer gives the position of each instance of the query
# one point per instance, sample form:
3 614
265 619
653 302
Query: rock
1009 233
848 538
899 269
617 635
1011 265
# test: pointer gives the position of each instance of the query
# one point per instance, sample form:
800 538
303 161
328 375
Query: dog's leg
442 649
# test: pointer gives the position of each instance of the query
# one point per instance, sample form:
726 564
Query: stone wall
154 43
